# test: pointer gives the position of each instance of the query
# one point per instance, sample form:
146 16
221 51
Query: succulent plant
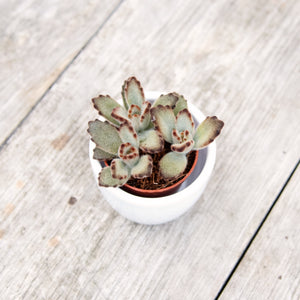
137 131
179 130
130 164
136 111
175 101
126 159
107 140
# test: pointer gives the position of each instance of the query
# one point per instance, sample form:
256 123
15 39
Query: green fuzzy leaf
184 147
128 134
134 110
133 92
105 106
151 141
164 121
129 154
145 117
105 179
180 104
105 136
119 170
119 114
143 168
167 100
172 165
207 131
135 121
102 155
184 121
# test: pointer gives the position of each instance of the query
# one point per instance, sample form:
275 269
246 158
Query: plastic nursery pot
161 192
158 210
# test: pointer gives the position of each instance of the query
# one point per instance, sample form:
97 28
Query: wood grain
271 267
38 39
237 60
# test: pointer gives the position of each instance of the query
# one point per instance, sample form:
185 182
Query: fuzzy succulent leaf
102 155
134 110
164 121
166 100
145 117
183 136
119 114
184 147
135 121
105 136
105 106
151 141
207 131
184 121
128 134
180 104
105 179
132 92
143 168
119 169
129 154
172 165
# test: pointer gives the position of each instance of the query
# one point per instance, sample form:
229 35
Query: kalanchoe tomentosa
126 161
132 133
136 111
180 132
130 164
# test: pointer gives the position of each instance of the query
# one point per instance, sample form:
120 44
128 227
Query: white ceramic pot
160 210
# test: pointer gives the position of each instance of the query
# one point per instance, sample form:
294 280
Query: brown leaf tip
176 135
189 115
217 130
131 156
128 152
126 84
146 111
114 173
219 124
104 185
148 171
117 117
133 107
95 104
148 106
129 126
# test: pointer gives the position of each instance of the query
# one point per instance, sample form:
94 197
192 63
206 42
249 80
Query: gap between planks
257 231
12 133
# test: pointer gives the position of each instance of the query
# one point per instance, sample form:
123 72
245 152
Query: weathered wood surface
271 268
237 60
38 39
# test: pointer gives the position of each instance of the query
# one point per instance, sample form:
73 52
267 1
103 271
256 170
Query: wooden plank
38 39
237 60
271 267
